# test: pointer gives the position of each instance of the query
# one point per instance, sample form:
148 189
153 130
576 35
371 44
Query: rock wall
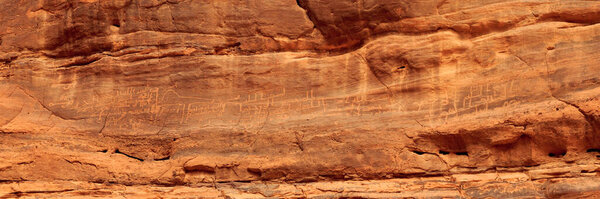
306 98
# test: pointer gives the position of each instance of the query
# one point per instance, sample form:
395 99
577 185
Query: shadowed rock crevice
129 156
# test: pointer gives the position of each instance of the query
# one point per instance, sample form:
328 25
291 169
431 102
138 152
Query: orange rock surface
300 99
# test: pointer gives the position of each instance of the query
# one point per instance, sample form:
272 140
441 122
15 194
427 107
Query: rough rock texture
295 99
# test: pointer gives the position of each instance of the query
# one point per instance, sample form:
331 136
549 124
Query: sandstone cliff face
296 99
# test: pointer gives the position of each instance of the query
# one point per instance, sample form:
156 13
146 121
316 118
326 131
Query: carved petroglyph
133 108
478 98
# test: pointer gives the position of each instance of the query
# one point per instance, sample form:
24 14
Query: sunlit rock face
300 99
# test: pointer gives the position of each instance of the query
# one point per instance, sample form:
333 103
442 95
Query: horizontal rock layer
147 93
490 185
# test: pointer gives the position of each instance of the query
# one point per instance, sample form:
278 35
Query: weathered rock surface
295 99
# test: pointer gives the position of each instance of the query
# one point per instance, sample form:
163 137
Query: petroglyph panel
128 109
